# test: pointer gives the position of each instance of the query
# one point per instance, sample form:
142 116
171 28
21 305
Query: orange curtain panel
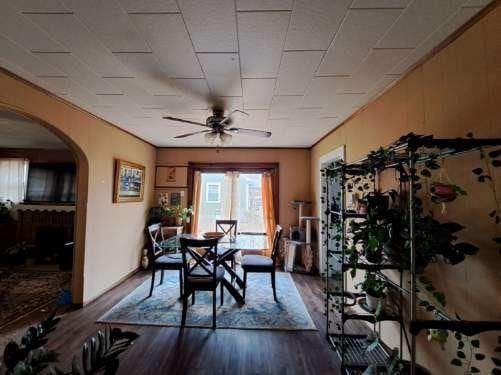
197 192
268 209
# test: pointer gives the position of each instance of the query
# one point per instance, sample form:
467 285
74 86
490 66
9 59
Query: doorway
329 194
40 172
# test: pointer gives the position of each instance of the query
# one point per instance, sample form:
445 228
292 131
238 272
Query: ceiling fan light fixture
225 138
210 137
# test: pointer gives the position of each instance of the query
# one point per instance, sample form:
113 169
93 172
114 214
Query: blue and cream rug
260 311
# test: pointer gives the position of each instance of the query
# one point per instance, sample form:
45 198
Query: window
213 192
13 178
231 195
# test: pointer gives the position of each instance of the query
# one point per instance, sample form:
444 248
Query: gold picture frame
129 182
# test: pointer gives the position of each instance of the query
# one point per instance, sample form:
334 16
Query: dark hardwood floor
167 350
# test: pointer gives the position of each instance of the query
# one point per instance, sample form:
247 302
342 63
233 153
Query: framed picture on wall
175 199
171 174
129 182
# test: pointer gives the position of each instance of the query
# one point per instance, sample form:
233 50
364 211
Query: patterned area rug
22 291
260 311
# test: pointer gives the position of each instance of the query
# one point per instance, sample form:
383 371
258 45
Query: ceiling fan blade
190 134
228 117
257 133
186 121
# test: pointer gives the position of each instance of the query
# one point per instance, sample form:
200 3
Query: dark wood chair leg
181 283
193 298
273 286
185 307
162 277
222 294
152 281
245 284
214 309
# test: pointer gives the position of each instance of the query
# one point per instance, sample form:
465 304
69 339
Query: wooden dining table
227 248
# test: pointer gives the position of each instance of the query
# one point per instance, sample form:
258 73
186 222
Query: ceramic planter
372 301
442 193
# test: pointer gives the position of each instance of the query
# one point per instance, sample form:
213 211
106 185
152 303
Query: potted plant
443 193
377 203
375 294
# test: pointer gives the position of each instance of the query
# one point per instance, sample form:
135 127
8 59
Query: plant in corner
375 292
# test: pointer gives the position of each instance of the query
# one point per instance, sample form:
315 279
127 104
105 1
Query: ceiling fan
218 127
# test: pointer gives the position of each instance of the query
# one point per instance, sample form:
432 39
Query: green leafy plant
373 285
100 354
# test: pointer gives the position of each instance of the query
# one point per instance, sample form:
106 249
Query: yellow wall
456 91
113 235
294 169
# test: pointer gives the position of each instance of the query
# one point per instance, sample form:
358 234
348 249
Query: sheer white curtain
13 179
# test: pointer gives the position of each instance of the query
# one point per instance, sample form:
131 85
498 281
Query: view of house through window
231 195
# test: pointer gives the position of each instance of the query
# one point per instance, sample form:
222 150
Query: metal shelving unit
405 155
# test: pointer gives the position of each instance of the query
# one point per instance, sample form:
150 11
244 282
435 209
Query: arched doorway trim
77 283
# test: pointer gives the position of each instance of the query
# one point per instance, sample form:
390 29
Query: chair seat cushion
170 260
257 263
200 276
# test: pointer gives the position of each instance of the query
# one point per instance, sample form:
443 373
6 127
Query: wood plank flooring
167 350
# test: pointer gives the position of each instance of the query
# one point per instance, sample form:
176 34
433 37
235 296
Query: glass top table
226 248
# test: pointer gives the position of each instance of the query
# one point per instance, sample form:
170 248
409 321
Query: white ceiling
299 67
20 132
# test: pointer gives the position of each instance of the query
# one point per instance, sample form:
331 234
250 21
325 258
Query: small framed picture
129 182
171 174
175 199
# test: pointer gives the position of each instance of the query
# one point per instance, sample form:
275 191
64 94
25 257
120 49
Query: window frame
207 184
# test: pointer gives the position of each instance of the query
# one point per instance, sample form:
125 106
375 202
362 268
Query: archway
82 177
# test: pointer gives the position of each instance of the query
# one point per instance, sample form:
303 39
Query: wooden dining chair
201 272
159 259
263 264
229 228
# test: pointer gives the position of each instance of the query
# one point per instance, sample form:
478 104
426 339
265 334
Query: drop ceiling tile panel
373 4
222 71
248 5
232 103
417 21
110 23
169 40
211 24
23 31
283 107
150 6
257 119
24 59
258 93
261 39
65 86
78 72
378 63
359 32
196 87
341 104
131 87
145 67
477 3
16 69
39 5
322 89
453 23
314 23
296 71
70 32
